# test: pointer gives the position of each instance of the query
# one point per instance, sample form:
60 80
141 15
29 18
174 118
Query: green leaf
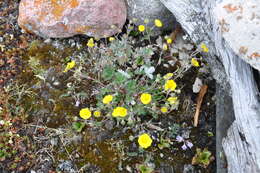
210 134
145 169
139 61
140 110
108 72
78 126
2 153
103 92
64 95
82 94
155 115
202 158
164 144
119 78
133 33
98 124
131 86
132 154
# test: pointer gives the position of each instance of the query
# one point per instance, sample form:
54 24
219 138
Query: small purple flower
179 139
184 147
77 103
189 144
186 144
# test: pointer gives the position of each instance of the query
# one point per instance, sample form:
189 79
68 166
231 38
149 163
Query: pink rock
66 18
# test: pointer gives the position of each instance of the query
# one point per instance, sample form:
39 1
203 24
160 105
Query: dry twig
202 93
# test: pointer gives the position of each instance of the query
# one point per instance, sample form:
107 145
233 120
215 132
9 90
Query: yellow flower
85 113
158 23
144 140
97 113
141 28
204 47
165 47
164 109
195 62
119 112
111 39
91 43
172 100
169 40
69 66
146 98
107 99
170 85
168 76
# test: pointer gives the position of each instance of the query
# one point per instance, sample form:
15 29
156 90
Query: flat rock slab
66 18
239 21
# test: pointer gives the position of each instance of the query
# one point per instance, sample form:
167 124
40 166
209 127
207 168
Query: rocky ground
12 41
42 144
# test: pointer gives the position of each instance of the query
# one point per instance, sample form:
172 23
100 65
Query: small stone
129 169
66 166
54 141
188 168
197 85
56 83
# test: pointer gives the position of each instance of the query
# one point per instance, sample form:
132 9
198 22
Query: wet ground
44 115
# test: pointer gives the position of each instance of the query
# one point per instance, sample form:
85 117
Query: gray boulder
151 9
240 27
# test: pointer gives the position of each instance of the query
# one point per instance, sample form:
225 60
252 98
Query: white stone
197 85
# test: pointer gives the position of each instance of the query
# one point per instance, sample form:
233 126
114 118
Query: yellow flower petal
107 99
170 85
195 62
165 47
85 113
144 140
69 66
158 23
119 112
172 100
146 98
169 40
91 43
111 39
141 28
204 47
164 109
168 76
97 113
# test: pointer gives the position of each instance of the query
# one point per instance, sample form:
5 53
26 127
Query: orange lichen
255 55
74 3
82 29
42 15
230 8
59 6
